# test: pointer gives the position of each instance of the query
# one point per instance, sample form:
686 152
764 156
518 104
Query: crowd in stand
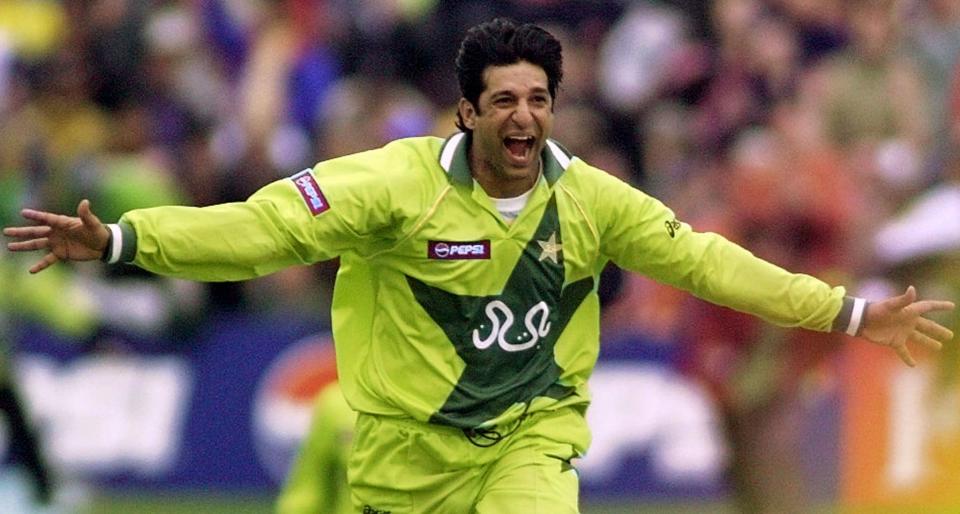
810 131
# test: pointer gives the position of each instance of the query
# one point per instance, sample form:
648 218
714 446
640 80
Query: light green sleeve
317 482
640 233
275 228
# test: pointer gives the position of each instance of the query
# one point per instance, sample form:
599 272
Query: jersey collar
453 159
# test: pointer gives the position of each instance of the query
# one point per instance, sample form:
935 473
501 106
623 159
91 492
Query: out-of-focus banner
221 410
901 435
227 409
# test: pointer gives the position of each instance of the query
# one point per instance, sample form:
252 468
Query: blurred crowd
820 134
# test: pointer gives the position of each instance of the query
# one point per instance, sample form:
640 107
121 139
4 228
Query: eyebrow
509 92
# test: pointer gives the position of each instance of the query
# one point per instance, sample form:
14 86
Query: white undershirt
510 208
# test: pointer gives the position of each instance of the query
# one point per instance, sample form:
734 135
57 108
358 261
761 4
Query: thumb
86 215
909 296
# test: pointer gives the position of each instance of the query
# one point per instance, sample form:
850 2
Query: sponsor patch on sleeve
310 191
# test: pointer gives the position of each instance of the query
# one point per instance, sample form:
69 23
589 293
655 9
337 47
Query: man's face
511 123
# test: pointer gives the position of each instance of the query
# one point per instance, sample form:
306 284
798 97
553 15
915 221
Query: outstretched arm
898 320
66 238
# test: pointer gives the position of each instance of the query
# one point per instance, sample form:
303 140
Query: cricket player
317 480
465 311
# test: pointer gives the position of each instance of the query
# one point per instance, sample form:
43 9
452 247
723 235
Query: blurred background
821 134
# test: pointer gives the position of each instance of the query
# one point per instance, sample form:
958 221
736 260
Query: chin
521 174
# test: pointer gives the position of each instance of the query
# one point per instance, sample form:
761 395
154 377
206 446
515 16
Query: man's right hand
901 319
66 238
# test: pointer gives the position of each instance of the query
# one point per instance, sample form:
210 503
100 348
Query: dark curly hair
502 42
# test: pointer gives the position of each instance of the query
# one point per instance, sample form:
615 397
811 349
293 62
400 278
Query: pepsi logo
310 191
446 250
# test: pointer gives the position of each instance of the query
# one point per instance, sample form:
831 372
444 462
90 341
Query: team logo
310 191
550 249
672 227
536 322
449 250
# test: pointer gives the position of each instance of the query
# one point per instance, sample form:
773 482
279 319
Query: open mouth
519 147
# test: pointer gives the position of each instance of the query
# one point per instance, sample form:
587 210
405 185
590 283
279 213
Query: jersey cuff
122 244
851 316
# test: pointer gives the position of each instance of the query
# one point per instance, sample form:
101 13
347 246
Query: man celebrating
465 310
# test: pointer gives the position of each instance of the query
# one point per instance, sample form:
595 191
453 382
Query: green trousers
402 466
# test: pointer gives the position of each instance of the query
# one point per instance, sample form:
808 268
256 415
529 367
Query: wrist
858 317
852 316
111 252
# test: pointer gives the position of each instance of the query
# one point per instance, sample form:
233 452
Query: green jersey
317 481
442 310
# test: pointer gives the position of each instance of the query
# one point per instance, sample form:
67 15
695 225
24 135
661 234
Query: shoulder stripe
449 149
416 228
583 212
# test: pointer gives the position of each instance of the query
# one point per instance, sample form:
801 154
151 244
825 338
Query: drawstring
487 437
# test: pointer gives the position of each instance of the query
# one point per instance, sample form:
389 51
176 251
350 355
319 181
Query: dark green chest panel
507 340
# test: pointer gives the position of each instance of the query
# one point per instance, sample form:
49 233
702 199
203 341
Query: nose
522 115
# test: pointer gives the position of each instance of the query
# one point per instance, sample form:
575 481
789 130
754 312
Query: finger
44 263
25 232
925 306
86 214
925 340
904 354
934 329
35 215
28 246
46 218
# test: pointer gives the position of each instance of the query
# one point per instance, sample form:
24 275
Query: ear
468 113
